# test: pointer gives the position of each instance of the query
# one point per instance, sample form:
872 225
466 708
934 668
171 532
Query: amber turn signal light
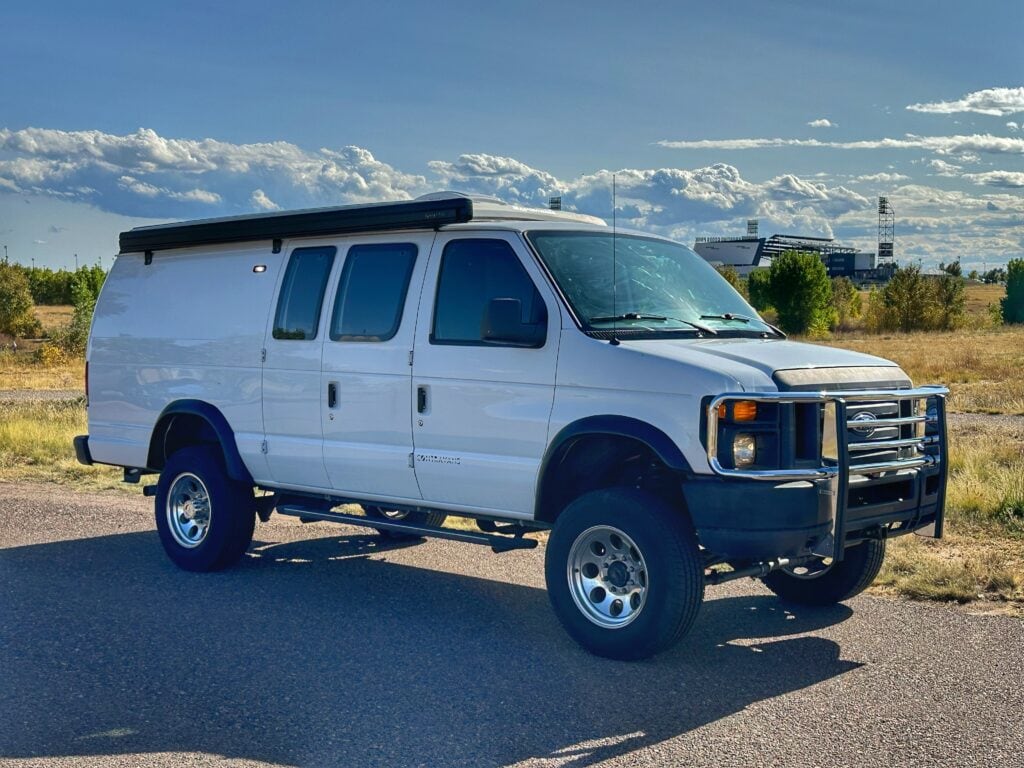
742 410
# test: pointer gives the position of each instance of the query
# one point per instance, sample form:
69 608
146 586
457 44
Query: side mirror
503 324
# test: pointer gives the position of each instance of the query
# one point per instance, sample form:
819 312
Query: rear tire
433 519
624 573
204 518
839 581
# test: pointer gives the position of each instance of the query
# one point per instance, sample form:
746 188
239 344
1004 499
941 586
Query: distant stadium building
745 254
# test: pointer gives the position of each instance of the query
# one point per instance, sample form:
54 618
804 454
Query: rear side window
371 292
472 273
302 293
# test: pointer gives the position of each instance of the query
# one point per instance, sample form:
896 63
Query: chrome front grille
888 432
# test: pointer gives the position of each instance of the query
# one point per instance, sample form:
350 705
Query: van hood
774 363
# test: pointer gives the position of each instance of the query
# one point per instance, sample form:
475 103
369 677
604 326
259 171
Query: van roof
431 211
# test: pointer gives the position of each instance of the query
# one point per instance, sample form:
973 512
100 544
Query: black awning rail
345 219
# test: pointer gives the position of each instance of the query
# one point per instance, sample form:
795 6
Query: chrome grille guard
833 473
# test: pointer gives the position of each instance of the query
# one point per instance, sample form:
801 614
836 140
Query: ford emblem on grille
864 416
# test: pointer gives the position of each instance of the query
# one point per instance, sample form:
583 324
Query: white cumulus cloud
1002 179
942 168
942 145
145 174
261 202
881 178
822 122
990 101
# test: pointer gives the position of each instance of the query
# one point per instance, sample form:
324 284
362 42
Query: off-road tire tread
234 507
684 569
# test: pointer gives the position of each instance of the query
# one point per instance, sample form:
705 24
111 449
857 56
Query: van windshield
660 286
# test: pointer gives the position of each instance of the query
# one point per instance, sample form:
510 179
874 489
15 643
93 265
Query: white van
457 355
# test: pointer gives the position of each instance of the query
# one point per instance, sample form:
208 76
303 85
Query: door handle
421 399
332 395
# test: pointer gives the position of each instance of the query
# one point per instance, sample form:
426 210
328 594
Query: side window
302 293
371 292
473 272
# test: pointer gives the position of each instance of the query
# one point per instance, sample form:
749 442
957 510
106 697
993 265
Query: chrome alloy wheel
607 576
188 510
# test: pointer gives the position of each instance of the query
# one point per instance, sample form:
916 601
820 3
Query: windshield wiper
658 318
742 319
727 316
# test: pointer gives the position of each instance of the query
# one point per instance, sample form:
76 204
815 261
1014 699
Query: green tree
732 277
949 301
973 275
953 268
906 301
845 301
74 338
1012 304
16 305
759 289
801 293
995 275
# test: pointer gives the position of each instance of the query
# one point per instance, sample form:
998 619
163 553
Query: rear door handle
421 399
332 395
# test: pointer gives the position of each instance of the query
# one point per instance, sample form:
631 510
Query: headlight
744 450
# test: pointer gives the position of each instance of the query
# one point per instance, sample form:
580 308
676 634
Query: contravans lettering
435 459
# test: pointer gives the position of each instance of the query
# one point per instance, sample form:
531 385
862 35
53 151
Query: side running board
497 543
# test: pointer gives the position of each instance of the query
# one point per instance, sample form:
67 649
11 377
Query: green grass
36 444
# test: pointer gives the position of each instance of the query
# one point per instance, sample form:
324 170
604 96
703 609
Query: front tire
204 518
817 584
624 573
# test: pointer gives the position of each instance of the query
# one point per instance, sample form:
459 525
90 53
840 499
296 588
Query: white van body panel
367 436
482 437
188 326
292 400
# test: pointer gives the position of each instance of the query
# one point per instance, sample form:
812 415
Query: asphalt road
327 646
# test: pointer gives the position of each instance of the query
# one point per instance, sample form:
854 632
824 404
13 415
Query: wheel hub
188 510
618 574
607 576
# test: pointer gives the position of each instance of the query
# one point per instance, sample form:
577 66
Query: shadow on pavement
311 653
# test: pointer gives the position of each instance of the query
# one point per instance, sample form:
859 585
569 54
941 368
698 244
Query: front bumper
820 510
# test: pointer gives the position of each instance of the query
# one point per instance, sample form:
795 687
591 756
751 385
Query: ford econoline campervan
533 370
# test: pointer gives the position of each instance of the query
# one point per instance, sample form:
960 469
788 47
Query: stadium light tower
886 231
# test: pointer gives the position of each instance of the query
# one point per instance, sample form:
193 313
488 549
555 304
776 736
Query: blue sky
799 113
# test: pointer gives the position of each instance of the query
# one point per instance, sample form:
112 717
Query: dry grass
54 317
982 368
20 371
980 297
981 556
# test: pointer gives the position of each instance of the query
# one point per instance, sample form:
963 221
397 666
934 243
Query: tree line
21 288
797 289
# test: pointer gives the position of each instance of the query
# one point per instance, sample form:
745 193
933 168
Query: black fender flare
609 425
218 424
